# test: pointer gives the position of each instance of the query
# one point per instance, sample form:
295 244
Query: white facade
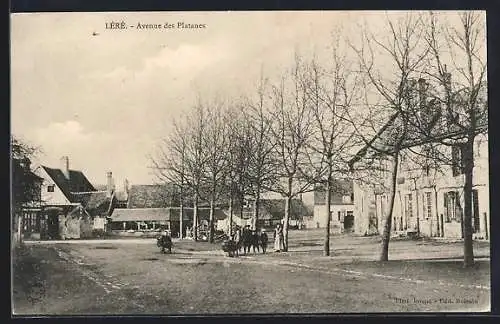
338 215
51 193
429 204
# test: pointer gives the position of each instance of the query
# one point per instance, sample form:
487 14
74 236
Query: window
457 160
428 205
50 188
453 209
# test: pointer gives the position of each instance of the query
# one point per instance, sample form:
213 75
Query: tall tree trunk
328 202
242 202
230 232
467 219
438 234
181 214
386 236
211 220
288 208
195 217
256 209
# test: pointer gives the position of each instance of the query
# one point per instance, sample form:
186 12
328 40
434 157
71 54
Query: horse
263 241
164 242
230 247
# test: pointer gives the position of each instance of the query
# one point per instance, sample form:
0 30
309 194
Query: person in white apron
278 238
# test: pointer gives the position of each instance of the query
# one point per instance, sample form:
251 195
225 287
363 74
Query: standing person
255 241
263 240
237 238
278 238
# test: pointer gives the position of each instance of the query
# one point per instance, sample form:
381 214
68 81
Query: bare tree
292 131
463 96
391 67
215 142
168 164
331 92
181 158
261 164
237 158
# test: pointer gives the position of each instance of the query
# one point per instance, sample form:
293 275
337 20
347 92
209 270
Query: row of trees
375 100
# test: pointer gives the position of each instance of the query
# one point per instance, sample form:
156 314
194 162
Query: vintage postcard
249 162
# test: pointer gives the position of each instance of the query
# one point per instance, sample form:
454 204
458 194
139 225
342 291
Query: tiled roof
96 202
101 187
143 214
151 196
77 181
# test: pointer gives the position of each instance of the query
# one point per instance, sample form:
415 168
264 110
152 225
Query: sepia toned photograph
249 162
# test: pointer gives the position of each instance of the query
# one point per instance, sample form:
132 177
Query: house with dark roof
341 209
148 222
63 190
152 196
151 207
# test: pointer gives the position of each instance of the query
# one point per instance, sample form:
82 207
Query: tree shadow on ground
28 279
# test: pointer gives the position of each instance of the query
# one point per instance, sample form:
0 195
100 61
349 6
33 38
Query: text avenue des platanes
120 25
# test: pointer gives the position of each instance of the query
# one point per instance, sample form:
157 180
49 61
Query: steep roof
143 214
77 181
339 189
151 196
101 187
96 202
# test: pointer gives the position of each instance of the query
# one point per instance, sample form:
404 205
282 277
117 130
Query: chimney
125 187
109 184
65 166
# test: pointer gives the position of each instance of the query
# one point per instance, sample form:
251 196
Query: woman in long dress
278 238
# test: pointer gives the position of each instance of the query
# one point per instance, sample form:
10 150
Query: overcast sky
104 100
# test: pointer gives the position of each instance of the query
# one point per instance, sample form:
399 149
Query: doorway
349 222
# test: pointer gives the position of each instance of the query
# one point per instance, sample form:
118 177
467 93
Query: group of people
247 238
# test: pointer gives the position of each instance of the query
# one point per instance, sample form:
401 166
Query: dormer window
50 188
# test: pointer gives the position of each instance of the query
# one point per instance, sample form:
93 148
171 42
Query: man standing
263 240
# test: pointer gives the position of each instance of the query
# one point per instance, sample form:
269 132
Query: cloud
65 132
186 58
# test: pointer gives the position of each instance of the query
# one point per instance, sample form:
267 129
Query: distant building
429 197
430 202
151 208
66 197
342 216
